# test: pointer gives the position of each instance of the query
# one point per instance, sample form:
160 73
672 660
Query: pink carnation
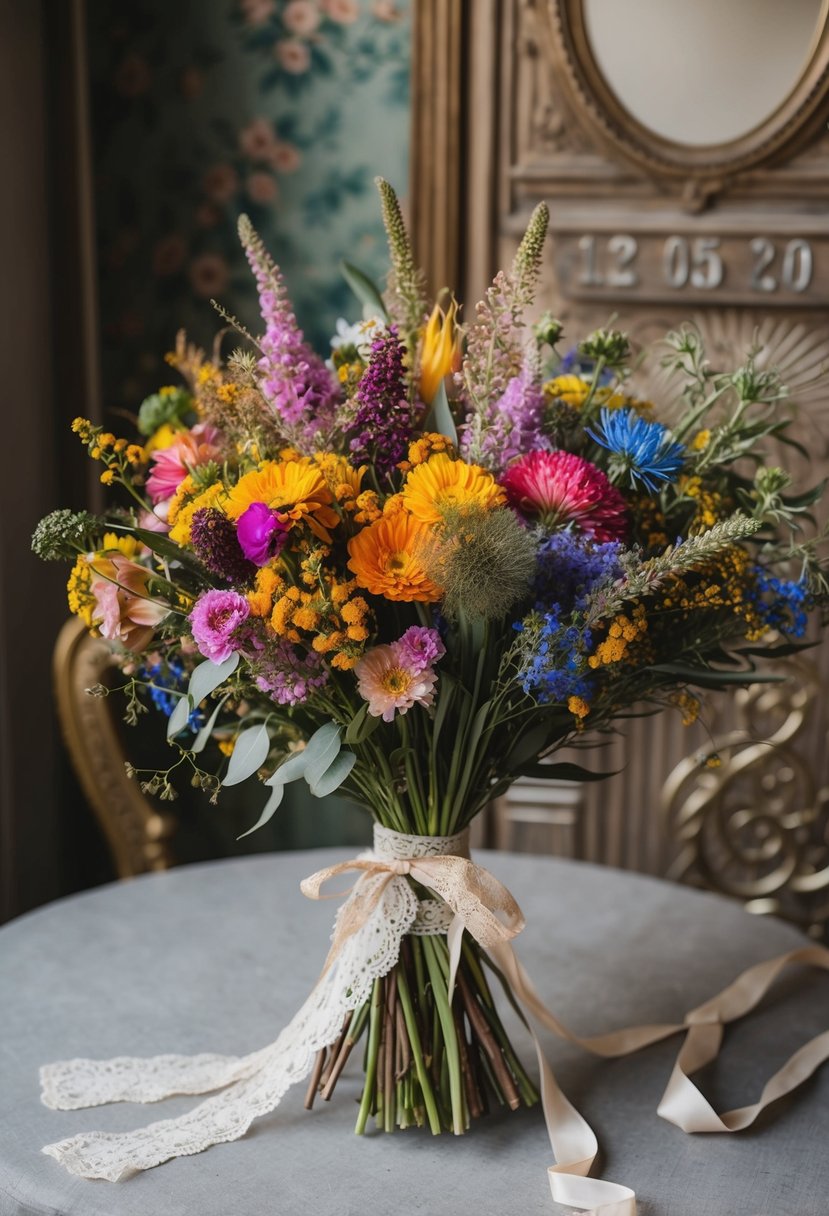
560 488
214 620
171 465
420 647
388 682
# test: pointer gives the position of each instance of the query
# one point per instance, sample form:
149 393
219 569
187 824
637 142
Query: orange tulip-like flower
440 353
386 559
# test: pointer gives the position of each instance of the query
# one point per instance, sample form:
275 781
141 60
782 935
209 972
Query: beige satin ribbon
475 895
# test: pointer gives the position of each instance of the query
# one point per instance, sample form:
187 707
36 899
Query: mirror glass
702 71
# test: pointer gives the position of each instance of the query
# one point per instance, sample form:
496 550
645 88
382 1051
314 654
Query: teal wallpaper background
202 109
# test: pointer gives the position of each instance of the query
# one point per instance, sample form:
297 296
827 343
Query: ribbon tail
454 942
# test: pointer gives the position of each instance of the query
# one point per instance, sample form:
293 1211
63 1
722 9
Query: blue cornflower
163 676
782 604
569 567
641 448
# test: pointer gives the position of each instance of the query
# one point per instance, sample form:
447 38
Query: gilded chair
138 832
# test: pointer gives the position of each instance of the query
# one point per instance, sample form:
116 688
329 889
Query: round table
218 957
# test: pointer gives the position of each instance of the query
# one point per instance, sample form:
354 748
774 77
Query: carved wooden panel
735 238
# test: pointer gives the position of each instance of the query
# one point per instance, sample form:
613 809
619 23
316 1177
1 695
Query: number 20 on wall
696 262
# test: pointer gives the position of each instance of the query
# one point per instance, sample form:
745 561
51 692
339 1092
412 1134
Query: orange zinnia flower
385 557
442 482
295 489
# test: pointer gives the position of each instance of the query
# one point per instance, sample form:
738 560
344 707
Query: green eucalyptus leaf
440 418
334 775
323 748
269 809
200 741
365 289
249 754
179 717
207 677
291 769
361 726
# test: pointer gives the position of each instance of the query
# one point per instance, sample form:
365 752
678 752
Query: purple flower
213 536
286 675
215 618
260 532
419 647
383 422
510 427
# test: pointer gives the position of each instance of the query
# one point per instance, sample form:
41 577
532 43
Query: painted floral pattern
284 109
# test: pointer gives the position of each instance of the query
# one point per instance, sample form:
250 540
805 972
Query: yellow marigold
213 496
572 390
354 611
427 445
441 482
281 617
368 508
227 392
357 633
344 661
340 592
701 440
81 601
107 477
135 454
394 505
295 489
339 473
306 618
268 586
578 707
385 558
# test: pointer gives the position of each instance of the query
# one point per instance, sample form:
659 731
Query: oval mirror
704 72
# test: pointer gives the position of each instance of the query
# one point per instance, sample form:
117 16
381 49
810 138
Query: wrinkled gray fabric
218 957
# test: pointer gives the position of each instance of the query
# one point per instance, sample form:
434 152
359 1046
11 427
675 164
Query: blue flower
641 448
569 567
163 676
554 667
782 604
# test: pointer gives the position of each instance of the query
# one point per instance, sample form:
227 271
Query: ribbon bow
474 895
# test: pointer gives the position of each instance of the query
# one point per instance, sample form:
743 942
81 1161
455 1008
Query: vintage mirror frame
786 129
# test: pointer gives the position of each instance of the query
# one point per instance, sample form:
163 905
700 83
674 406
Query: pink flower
285 157
209 275
124 610
171 465
257 12
257 140
260 533
293 55
261 187
420 647
560 488
345 12
154 521
301 16
387 681
214 620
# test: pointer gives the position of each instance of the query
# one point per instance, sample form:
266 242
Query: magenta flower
215 618
560 488
261 533
420 647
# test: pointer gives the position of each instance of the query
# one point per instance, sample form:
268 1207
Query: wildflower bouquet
413 573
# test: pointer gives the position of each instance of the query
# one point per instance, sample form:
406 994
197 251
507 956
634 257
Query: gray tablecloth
218 957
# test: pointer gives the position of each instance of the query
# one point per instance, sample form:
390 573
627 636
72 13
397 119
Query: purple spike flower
382 426
213 537
512 427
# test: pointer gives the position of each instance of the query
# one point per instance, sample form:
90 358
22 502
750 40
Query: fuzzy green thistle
408 304
484 560
64 534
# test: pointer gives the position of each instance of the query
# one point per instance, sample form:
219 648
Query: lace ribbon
369 927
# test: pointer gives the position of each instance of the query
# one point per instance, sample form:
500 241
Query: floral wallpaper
202 109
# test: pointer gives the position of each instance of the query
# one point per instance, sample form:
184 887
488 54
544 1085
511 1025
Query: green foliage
63 534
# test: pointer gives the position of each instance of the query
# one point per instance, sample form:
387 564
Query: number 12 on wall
694 262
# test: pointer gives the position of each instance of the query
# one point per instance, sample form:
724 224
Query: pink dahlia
560 488
171 465
214 620
388 682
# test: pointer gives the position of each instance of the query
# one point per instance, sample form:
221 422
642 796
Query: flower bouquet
413 573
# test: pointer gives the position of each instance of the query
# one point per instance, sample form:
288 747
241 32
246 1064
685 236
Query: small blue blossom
641 448
568 568
163 676
782 604
555 665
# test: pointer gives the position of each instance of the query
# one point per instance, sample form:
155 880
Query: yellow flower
211 497
107 477
440 352
572 390
427 445
578 707
163 437
440 483
226 746
80 598
342 479
385 557
701 440
295 489
268 586
113 542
